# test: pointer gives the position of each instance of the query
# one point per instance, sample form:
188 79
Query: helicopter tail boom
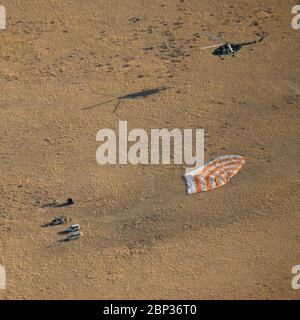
254 41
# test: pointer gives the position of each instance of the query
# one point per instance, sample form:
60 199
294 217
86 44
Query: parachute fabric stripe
214 174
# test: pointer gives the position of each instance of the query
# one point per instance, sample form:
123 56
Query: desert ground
144 237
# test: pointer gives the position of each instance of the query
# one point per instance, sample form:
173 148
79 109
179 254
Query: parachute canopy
214 173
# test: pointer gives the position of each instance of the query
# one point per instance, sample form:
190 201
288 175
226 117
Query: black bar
134 309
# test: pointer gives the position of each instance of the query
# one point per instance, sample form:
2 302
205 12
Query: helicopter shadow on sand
131 96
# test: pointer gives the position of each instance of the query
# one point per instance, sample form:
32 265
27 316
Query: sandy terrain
143 236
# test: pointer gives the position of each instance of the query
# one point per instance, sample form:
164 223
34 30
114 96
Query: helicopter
230 48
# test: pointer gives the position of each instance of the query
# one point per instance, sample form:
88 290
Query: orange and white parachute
214 174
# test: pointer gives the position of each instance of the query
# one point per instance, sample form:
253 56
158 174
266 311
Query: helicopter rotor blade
212 36
215 46
230 48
